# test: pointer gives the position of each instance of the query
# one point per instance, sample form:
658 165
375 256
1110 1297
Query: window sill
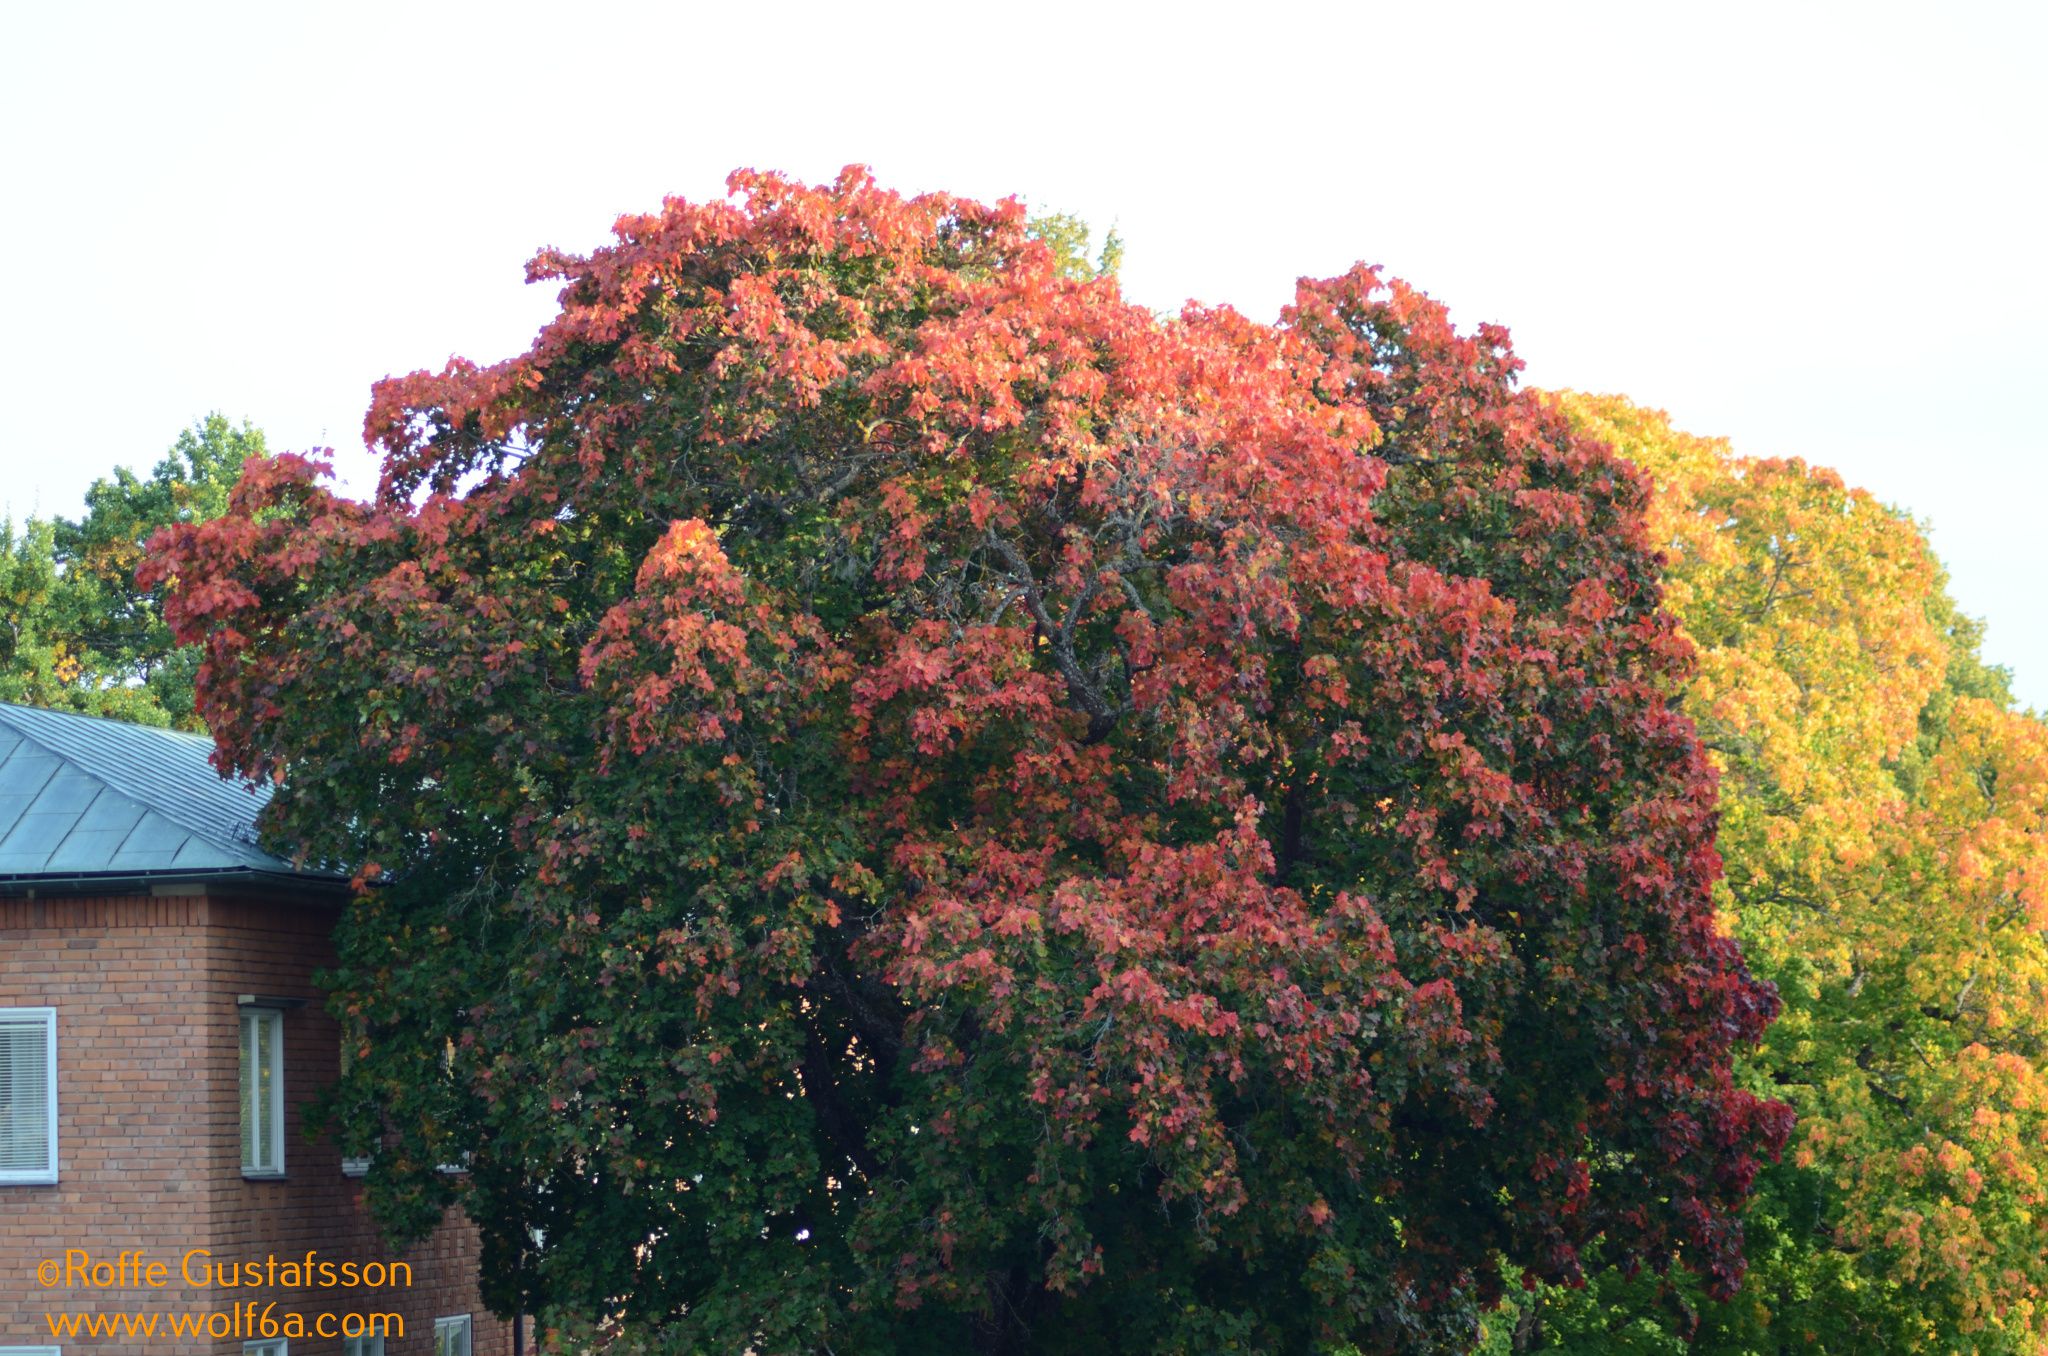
33 1180
251 1175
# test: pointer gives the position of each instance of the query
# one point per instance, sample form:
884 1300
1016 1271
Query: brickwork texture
146 990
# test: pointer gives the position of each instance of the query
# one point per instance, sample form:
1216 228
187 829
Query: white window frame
250 1017
269 1346
363 1344
455 1323
47 1174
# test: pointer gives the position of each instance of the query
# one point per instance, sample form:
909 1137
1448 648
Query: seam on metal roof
109 795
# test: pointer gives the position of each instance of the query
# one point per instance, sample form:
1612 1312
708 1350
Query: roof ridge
170 731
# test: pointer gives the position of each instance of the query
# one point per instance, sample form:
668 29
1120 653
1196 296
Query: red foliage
1101 766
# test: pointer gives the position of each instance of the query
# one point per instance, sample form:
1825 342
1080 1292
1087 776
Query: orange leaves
1021 762
689 560
689 652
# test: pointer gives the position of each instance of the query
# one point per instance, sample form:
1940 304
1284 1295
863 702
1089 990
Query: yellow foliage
1886 841
1807 601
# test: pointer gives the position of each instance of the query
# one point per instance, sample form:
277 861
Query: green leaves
939 810
81 634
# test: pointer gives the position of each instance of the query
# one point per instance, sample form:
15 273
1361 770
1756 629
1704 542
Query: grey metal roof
86 796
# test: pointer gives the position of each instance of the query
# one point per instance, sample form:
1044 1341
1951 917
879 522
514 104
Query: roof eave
33 885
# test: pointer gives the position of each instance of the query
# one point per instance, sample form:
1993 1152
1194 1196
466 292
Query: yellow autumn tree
1885 832
1939 1124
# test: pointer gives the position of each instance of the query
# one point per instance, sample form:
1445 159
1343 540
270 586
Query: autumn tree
1885 827
80 633
903 803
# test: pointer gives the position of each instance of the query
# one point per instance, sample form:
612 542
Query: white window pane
276 1098
26 1090
262 1079
248 1089
266 1130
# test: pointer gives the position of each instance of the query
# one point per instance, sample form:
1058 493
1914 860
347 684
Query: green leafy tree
1069 238
35 667
81 634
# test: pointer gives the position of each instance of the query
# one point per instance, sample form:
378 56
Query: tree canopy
81 634
904 803
1884 818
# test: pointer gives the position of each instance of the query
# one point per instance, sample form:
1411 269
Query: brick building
159 1032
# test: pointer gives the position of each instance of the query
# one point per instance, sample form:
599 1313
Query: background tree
906 804
81 634
1069 238
35 668
1882 822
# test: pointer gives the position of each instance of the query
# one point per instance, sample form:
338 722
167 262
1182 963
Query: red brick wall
126 977
149 1130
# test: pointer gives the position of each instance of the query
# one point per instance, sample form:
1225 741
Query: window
274 1347
451 1336
355 1167
462 1165
28 1097
31 1351
363 1346
263 1107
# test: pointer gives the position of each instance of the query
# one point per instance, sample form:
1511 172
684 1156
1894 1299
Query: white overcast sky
1817 230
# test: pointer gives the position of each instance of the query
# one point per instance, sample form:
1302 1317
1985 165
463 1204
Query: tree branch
1059 635
846 1132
